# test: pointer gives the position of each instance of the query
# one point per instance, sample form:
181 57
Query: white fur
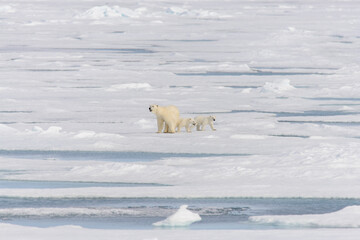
168 115
188 123
202 121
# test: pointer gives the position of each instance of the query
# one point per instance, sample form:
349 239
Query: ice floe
348 217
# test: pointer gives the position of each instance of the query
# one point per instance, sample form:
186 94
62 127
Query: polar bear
202 121
168 115
188 123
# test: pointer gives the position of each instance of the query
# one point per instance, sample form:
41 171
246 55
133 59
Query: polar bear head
213 118
191 121
153 108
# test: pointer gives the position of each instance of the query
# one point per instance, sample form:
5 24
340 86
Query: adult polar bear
168 114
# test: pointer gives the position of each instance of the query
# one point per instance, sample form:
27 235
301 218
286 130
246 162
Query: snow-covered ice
70 232
348 217
77 78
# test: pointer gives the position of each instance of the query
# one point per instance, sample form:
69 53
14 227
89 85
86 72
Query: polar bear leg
212 126
171 128
160 123
171 125
191 127
188 128
171 122
166 129
178 128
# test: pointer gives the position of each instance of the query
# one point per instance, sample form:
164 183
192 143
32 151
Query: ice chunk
177 11
183 217
278 86
100 12
197 13
53 130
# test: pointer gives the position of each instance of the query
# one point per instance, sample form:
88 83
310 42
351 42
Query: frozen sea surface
77 78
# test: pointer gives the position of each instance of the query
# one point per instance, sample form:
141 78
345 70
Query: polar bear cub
188 123
168 114
202 121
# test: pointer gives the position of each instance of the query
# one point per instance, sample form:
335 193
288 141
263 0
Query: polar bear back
204 119
173 109
164 111
182 122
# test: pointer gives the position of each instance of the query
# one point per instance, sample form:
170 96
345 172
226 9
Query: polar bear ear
157 105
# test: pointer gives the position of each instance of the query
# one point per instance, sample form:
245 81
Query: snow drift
100 12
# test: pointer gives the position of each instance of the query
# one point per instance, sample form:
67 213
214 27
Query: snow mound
6 129
127 86
100 12
278 86
144 124
197 13
7 9
177 11
348 217
52 130
183 217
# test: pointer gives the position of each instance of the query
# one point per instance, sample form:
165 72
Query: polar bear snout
153 108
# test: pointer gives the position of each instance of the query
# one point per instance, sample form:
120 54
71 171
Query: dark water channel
140 213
